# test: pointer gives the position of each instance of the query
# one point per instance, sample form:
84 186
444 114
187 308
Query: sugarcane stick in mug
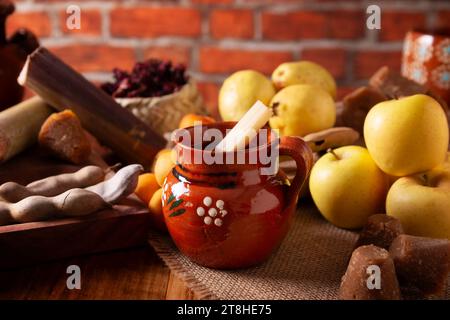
246 129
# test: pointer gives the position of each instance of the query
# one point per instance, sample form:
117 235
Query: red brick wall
217 37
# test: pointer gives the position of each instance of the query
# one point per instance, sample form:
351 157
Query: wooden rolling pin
64 88
20 125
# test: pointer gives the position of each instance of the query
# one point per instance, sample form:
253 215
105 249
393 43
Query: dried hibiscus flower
151 78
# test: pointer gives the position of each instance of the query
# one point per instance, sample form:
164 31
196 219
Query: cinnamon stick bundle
64 88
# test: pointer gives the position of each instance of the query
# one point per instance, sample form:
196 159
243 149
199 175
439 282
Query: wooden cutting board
125 225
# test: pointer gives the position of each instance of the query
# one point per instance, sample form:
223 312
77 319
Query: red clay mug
229 216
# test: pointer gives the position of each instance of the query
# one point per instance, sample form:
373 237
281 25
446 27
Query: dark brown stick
64 88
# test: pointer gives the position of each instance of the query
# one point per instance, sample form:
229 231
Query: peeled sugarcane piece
331 138
122 184
422 264
20 125
380 230
74 202
246 129
63 135
63 88
370 276
52 186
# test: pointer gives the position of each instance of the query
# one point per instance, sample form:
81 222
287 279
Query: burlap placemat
308 265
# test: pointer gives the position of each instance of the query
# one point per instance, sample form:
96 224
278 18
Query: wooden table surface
136 273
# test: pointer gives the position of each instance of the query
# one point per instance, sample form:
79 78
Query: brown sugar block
393 85
358 282
380 230
422 263
357 104
64 136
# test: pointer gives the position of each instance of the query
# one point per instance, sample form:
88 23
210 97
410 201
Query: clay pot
232 215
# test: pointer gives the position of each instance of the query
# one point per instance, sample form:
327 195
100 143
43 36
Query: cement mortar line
197 76
218 78
431 19
204 24
98 76
410 5
245 45
209 78
56 30
105 23
349 66
300 44
267 7
257 25
194 62
31 7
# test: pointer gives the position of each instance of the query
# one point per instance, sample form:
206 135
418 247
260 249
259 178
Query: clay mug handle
297 149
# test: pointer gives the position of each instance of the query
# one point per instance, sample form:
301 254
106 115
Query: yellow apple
301 109
347 186
408 135
446 164
422 203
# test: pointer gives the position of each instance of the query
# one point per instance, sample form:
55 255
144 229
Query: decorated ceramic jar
426 60
232 215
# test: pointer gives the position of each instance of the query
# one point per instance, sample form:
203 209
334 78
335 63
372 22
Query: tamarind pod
79 202
13 192
5 215
331 138
74 202
54 185
122 184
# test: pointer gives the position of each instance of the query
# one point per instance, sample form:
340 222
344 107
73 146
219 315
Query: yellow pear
303 72
240 91
301 109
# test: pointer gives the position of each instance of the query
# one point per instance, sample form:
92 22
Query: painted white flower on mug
443 51
441 77
212 212
418 73
423 50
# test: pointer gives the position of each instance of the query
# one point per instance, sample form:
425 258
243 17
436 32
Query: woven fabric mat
308 265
